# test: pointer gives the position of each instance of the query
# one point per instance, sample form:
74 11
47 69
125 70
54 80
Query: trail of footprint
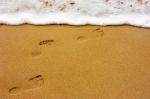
32 83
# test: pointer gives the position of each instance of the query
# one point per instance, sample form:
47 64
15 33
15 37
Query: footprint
81 38
46 42
14 90
36 53
36 81
96 33
32 83
97 29
100 31
38 77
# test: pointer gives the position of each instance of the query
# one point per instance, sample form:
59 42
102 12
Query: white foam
75 12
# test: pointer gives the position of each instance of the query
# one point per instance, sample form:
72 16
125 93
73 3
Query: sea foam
75 12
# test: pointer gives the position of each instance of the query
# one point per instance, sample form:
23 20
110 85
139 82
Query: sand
74 62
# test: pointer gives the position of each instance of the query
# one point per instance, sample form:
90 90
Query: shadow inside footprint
46 42
97 29
81 38
36 77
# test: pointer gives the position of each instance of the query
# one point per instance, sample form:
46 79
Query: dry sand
69 62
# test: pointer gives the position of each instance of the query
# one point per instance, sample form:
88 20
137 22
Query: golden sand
74 62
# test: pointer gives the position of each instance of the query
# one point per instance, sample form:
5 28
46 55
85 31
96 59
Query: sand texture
74 62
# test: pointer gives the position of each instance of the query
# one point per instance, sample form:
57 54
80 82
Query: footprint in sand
96 33
46 42
81 38
14 90
32 83
41 43
36 81
36 53
99 31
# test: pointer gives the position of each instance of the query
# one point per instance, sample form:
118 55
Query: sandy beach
74 62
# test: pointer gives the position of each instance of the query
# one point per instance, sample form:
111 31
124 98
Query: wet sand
74 62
